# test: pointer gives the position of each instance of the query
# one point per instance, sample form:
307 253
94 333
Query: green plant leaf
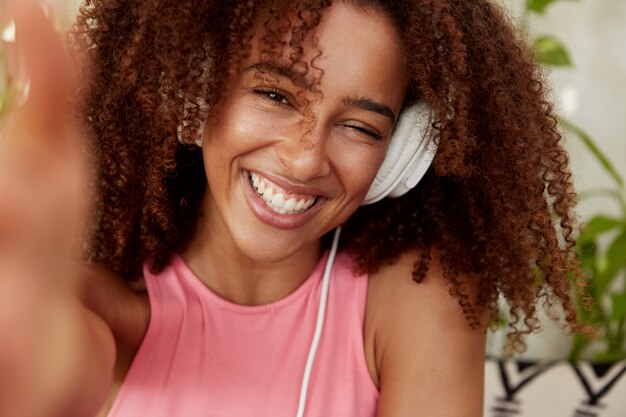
594 149
587 249
587 239
605 357
618 306
538 6
610 265
617 250
600 224
550 51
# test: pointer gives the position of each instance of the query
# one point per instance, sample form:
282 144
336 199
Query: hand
43 209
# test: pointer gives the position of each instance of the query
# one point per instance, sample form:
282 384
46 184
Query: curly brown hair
497 204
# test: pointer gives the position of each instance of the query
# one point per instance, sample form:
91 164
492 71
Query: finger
46 66
44 153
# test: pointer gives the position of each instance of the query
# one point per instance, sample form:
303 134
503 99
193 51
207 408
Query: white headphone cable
321 312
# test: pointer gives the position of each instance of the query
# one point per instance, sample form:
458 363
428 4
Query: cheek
228 138
359 169
227 130
244 128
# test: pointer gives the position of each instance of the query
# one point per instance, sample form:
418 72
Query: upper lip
289 186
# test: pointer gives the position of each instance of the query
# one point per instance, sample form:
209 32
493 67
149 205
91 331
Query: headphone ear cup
411 151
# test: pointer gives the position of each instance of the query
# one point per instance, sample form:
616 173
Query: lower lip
268 216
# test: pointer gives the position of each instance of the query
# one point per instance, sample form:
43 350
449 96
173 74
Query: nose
305 154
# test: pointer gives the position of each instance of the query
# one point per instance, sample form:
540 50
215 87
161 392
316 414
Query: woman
203 112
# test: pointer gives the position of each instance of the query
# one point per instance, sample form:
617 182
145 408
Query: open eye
275 96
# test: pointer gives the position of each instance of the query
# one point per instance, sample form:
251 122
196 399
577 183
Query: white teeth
277 201
290 204
268 194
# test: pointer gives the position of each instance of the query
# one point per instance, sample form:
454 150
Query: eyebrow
286 71
369 104
279 70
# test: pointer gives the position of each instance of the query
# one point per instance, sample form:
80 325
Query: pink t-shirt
205 356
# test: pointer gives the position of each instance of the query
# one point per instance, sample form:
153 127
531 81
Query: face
278 178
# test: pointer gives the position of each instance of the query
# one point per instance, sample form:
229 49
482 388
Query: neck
236 277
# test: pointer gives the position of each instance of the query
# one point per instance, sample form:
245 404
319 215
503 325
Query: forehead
351 46
361 44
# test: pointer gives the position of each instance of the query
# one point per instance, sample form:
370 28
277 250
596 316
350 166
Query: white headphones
410 153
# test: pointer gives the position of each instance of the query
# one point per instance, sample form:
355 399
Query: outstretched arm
56 357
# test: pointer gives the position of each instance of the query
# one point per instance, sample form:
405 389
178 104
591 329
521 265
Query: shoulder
421 349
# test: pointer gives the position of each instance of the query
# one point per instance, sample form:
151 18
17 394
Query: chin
274 247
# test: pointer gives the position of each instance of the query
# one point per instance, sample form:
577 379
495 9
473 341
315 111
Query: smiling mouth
277 199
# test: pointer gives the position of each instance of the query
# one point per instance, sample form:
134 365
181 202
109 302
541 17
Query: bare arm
428 361
56 356
59 361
